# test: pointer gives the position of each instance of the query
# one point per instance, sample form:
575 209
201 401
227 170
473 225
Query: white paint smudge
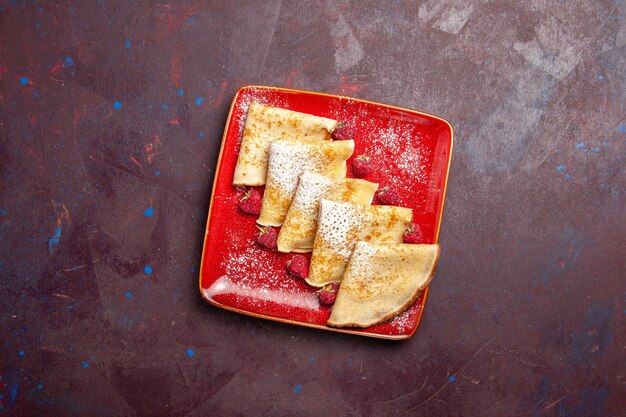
552 50
348 49
451 16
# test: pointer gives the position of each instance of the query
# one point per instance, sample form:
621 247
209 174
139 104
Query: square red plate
410 150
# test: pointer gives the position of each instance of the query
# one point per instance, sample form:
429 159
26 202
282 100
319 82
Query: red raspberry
413 234
328 294
298 266
388 196
267 237
251 202
361 166
343 131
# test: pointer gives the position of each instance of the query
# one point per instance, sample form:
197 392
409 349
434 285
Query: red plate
409 149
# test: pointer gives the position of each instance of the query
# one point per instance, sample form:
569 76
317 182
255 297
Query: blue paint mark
452 378
92 357
581 145
193 269
200 134
189 352
54 240
147 269
560 168
127 44
311 359
117 105
600 78
297 389
36 94
149 212
596 334
85 365
199 101
157 173
14 390
568 177
70 307
180 92
39 386
164 106
596 149
622 128
193 18
37 24
24 80
21 353
68 62
128 294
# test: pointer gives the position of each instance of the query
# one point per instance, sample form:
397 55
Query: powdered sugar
337 222
361 256
310 189
403 322
406 152
254 268
287 161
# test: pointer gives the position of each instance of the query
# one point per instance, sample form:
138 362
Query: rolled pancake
381 281
341 225
288 160
265 124
300 225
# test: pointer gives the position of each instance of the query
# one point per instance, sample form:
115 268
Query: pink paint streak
176 67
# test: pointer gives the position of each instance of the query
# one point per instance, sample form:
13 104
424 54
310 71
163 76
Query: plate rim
353 331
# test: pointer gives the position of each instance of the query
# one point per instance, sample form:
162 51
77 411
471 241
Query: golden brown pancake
341 225
381 281
300 225
288 160
265 124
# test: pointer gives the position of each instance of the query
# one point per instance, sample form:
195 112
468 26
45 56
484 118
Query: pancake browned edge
402 308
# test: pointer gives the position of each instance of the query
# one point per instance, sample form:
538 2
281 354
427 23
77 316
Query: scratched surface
111 115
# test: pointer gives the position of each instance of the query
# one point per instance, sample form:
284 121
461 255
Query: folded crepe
341 225
288 160
381 281
300 225
265 124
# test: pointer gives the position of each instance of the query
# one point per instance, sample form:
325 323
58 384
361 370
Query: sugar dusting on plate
252 274
406 151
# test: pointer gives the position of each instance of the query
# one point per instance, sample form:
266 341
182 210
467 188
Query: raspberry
343 131
388 196
361 166
267 237
298 266
328 294
251 202
413 234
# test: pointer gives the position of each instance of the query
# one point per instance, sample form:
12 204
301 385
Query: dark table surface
111 108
